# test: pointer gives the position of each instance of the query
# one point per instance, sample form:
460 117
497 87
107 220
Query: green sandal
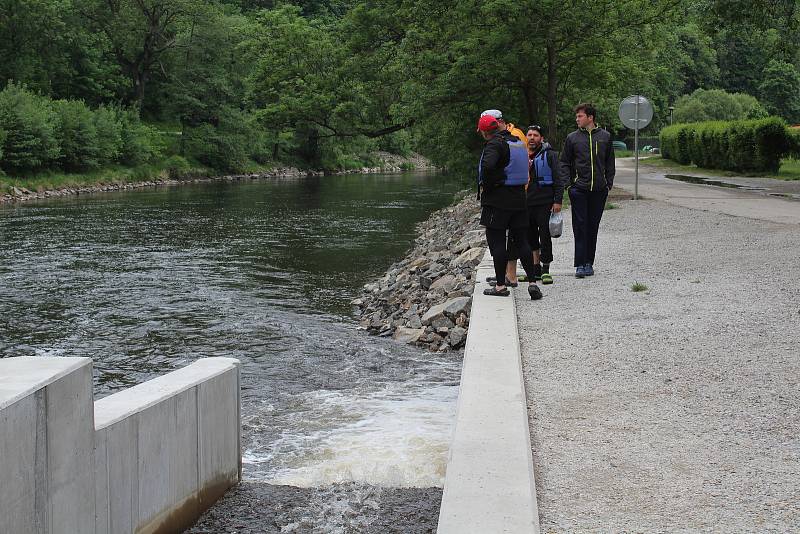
547 278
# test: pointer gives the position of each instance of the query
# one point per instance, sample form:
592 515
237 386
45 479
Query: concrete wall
167 449
489 485
148 459
46 445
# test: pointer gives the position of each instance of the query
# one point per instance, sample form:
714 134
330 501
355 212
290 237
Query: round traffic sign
635 112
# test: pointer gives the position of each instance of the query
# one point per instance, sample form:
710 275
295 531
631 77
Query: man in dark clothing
587 164
545 194
502 175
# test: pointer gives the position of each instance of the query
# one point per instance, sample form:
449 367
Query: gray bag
556 224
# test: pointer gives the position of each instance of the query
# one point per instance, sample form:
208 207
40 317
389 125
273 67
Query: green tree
716 104
30 124
139 34
780 90
77 134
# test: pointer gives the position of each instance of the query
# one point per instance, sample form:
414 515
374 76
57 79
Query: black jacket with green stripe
587 160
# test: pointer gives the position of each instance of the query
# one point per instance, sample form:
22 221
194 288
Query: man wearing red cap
502 175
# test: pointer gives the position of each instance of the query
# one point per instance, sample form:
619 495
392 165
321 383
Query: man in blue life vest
502 176
587 165
545 195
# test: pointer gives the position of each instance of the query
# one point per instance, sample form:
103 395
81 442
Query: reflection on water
145 282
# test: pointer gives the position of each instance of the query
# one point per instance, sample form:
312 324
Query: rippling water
145 282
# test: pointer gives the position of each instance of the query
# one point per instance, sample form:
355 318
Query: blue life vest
544 174
517 169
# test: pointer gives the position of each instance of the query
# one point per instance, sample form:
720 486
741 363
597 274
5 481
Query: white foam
392 437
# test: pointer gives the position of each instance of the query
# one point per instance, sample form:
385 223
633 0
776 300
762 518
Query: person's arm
558 182
491 159
565 163
611 166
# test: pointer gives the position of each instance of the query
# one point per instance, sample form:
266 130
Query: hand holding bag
556 224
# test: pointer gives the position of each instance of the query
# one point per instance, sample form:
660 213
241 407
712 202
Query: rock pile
425 299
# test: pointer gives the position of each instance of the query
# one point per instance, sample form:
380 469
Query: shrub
794 143
109 134
745 146
78 135
177 167
140 143
30 124
217 148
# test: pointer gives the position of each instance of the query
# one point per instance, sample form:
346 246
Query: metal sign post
636 112
636 150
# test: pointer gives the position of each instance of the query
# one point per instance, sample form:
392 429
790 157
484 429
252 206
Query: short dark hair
535 127
588 109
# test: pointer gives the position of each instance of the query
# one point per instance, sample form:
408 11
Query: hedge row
38 133
794 151
745 146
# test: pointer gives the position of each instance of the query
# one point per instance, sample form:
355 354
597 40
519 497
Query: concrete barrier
167 449
489 485
148 459
46 445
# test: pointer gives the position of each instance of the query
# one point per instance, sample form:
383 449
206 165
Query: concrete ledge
46 445
167 449
489 485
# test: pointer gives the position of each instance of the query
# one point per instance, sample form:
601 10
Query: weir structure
149 459
489 485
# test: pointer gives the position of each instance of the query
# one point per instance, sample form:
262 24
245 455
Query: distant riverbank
175 171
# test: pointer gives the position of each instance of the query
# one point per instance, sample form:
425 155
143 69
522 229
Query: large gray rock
457 336
469 258
450 309
408 335
444 283
458 305
442 322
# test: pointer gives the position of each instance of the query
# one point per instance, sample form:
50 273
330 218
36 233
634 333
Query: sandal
547 278
494 292
534 292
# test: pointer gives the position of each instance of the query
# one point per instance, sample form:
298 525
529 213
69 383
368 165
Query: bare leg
511 271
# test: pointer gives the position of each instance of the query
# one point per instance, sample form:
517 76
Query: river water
145 282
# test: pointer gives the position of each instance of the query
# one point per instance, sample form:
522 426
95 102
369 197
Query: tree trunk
531 103
552 96
139 82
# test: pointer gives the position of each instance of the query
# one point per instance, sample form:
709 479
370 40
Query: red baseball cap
487 123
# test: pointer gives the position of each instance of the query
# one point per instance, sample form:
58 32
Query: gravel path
674 409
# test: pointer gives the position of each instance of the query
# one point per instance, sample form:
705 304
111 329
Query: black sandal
534 292
494 292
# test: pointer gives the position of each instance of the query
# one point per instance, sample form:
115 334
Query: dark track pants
496 239
587 210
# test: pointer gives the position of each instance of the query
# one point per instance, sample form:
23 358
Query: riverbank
172 172
425 298
674 408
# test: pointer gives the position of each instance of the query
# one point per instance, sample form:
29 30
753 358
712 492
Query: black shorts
501 219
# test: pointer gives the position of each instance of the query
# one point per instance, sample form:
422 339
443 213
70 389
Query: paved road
676 409
755 205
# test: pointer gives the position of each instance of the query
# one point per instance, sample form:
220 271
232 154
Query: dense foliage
326 83
745 146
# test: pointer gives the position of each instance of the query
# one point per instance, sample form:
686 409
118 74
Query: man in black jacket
502 176
587 165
